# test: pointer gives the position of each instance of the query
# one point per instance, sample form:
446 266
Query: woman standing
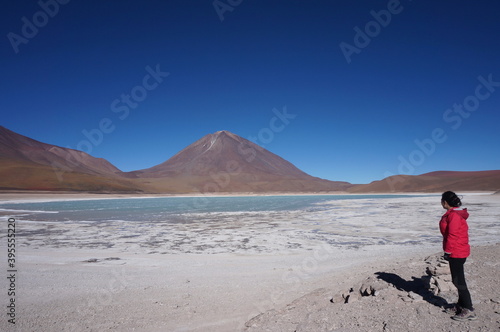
455 231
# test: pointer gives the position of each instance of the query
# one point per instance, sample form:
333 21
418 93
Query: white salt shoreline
126 288
33 197
29 197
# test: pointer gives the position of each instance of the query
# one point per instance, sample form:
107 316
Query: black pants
458 278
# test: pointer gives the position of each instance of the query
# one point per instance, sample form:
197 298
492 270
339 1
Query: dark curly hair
451 198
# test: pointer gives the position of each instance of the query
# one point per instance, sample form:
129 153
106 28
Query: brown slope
32 165
227 162
22 148
435 182
26 175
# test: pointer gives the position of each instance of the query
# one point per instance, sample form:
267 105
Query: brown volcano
224 161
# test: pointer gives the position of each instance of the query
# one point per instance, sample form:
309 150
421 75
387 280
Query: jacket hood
462 212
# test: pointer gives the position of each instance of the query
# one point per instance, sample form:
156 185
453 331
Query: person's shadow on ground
416 285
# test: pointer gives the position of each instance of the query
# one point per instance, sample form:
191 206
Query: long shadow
416 285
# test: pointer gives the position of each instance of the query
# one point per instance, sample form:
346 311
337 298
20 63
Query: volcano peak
244 165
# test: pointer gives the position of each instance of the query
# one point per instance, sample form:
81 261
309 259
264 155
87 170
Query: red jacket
455 231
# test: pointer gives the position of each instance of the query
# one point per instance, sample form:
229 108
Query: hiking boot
465 314
453 309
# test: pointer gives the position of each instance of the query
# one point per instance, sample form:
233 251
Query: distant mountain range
219 162
434 182
27 164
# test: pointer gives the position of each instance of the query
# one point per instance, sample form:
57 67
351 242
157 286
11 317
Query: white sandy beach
215 278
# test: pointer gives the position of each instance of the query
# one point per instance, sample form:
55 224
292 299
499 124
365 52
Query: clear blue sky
353 84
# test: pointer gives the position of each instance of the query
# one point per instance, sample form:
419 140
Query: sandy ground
69 283
395 297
